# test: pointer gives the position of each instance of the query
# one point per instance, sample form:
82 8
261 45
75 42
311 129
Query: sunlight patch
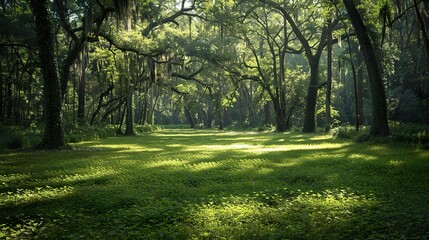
362 156
13 178
95 173
167 163
37 194
396 162
204 166
263 212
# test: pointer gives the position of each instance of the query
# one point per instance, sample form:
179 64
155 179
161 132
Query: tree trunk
310 107
360 88
379 125
53 137
1 94
81 92
329 79
100 101
423 28
267 113
129 118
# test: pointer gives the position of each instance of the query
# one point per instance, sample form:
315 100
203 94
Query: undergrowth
415 135
199 184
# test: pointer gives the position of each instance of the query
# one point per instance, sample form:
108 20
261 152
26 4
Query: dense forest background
218 63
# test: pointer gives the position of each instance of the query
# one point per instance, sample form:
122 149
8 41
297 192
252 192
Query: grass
205 184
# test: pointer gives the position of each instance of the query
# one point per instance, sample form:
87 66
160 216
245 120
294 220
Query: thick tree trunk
267 113
53 137
310 107
379 125
280 116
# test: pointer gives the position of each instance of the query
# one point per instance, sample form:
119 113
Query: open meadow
207 184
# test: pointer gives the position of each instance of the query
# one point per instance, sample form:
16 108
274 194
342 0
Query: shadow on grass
183 184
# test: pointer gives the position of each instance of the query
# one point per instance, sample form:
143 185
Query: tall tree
379 125
313 59
53 137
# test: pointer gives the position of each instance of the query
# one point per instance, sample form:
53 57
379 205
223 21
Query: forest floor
206 184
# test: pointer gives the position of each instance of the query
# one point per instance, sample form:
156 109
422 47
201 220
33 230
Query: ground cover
205 184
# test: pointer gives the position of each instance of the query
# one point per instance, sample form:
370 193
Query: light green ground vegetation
200 184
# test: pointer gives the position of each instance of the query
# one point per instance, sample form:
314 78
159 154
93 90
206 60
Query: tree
313 59
379 125
53 137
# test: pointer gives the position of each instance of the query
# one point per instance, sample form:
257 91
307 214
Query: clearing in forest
191 184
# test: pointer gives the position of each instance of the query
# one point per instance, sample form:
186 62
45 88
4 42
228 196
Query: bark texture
53 137
379 125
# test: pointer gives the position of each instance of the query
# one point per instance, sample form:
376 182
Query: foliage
87 133
17 138
147 128
416 135
200 184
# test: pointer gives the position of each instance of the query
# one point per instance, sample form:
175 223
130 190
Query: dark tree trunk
9 98
423 28
379 125
188 114
53 137
360 88
81 92
129 118
1 94
329 79
100 101
310 107
73 54
267 113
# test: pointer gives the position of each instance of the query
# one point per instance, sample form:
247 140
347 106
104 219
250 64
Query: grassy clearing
196 184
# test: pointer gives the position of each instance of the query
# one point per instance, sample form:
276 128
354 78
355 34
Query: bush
15 138
75 134
344 132
269 128
17 142
416 134
362 137
146 128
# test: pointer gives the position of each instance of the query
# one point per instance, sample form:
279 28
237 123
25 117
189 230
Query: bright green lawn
195 184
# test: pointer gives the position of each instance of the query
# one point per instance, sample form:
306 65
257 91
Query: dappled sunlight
264 212
258 149
215 185
362 156
203 166
166 163
396 162
22 196
13 178
92 173
127 147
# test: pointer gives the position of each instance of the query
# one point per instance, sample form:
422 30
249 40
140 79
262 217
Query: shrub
344 132
15 138
415 134
146 128
17 141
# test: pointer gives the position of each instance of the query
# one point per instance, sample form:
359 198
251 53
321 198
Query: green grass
200 184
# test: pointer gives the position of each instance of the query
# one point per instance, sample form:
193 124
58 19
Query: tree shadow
177 185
